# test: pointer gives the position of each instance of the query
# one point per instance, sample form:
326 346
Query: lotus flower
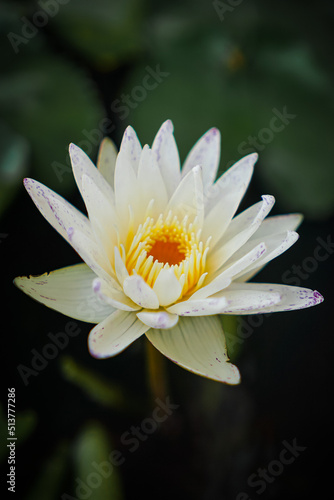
163 251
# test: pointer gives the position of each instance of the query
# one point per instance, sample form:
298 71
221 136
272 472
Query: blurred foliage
96 387
97 477
49 481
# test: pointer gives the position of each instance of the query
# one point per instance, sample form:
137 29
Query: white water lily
164 252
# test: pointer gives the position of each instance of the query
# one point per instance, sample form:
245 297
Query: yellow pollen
167 243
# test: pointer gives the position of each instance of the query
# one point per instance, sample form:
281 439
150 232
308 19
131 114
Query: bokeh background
78 70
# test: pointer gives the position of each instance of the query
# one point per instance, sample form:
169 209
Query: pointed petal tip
318 298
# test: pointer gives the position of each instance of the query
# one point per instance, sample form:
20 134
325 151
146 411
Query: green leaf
96 464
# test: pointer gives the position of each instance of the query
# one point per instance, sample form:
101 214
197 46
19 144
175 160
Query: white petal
224 197
140 292
247 301
126 191
229 272
292 297
90 252
112 296
57 211
159 319
278 224
187 200
102 215
165 148
276 245
239 231
199 307
131 147
69 291
167 287
151 184
120 268
82 164
106 160
114 334
234 180
197 344
206 153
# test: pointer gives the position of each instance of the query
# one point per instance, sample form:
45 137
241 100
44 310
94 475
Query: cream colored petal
291 297
102 215
223 279
140 292
187 200
112 296
120 268
206 153
278 224
224 198
248 300
198 345
131 147
106 160
238 233
68 291
114 334
127 196
90 252
159 319
167 287
57 211
198 307
82 164
235 180
165 148
276 245
151 184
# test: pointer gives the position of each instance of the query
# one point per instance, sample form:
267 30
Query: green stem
156 372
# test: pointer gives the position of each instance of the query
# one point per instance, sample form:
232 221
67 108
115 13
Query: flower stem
156 372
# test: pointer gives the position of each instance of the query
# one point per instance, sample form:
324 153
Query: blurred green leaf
97 476
51 103
96 387
105 33
48 484
14 158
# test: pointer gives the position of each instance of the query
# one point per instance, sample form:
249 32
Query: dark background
229 65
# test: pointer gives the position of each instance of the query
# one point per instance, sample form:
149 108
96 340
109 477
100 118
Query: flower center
167 243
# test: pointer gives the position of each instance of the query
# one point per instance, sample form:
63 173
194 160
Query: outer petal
278 224
159 319
224 197
199 307
57 211
247 301
126 192
165 148
140 292
167 287
224 278
197 344
239 231
69 291
102 215
106 160
291 297
131 148
82 164
206 153
114 334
